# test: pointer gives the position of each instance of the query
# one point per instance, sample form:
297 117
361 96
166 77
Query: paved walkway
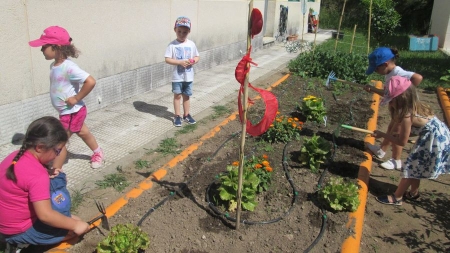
123 129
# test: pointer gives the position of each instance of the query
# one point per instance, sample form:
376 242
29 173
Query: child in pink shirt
26 213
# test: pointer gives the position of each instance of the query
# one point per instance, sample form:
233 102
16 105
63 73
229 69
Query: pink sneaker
97 159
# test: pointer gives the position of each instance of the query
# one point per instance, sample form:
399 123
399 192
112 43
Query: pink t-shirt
33 184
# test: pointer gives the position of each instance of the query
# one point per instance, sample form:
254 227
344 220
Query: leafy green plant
117 181
446 77
340 195
186 129
124 238
313 109
385 19
76 198
168 146
314 152
256 179
283 129
219 111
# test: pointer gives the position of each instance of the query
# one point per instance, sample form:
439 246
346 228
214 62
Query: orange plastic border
356 219
157 175
445 103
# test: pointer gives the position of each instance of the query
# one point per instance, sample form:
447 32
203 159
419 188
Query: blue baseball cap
378 57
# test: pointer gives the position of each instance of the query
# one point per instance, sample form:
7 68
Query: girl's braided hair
47 131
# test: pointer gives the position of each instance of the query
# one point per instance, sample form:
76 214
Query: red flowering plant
256 179
283 129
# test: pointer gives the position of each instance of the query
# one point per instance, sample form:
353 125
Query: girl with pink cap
430 155
69 84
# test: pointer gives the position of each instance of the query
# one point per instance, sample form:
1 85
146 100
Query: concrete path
123 129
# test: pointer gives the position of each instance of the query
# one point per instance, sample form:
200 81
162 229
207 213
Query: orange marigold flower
279 120
294 125
299 127
271 125
265 157
257 166
236 163
265 163
296 119
289 120
278 113
269 169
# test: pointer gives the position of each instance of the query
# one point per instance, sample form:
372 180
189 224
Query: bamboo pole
244 121
339 28
353 38
368 30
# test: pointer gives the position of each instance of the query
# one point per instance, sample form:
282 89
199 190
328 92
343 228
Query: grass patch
141 164
219 111
116 181
431 65
186 129
168 146
77 197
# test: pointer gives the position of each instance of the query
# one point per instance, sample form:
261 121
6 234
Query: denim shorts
38 234
184 88
74 121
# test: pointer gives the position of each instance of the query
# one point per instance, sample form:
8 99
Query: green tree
385 19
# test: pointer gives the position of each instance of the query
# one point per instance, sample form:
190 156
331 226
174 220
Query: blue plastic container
423 43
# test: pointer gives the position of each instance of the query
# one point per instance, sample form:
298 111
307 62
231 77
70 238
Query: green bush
385 19
320 63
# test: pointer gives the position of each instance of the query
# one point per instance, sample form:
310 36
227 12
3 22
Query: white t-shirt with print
179 51
66 81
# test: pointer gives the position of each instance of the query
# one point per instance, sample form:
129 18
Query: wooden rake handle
348 82
357 129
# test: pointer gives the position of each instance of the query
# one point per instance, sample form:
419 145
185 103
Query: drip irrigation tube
183 185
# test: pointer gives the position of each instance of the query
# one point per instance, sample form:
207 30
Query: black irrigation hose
294 190
183 185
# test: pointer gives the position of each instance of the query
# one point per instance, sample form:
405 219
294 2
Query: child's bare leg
87 137
176 104
186 105
402 187
415 183
385 143
61 158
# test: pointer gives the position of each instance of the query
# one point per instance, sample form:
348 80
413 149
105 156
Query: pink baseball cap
396 86
53 35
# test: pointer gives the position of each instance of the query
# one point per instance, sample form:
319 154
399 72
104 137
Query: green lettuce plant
314 152
124 238
340 195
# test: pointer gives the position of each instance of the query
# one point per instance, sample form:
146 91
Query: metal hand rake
332 77
101 208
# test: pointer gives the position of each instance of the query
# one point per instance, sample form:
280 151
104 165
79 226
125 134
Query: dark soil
288 218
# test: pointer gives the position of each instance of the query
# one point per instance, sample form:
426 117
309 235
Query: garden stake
357 129
102 216
332 77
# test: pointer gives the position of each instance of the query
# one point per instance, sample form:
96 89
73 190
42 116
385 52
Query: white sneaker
376 151
392 164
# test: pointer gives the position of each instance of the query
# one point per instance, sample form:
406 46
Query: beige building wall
440 22
122 44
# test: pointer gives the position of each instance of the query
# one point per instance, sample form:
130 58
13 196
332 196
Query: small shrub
124 238
283 129
314 152
340 195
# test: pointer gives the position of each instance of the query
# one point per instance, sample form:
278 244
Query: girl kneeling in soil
34 210
430 155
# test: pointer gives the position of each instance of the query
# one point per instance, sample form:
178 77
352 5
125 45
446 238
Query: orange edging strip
157 175
445 103
352 243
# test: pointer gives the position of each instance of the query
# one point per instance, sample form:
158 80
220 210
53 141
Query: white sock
398 163
97 150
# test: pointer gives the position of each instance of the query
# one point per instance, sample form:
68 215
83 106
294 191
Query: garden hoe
102 216
332 77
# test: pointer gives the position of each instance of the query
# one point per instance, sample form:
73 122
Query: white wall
440 22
